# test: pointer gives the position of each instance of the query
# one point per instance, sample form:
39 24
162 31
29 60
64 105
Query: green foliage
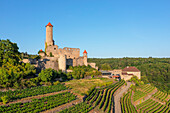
38 105
28 92
160 95
83 71
151 106
5 99
40 52
126 104
153 70
138 94
56 83
135 80
12 72
51 55
78 108
49 75
105 66
12 75
9 52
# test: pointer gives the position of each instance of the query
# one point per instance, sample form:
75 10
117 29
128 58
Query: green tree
9 52
47 75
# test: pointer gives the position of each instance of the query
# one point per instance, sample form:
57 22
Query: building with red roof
126 73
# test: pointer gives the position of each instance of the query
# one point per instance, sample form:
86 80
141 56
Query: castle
58 58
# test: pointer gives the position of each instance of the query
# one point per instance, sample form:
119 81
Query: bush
56 83
5 99
47 75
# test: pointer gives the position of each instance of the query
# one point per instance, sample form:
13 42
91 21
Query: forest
153 70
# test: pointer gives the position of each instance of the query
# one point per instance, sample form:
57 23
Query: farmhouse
126 73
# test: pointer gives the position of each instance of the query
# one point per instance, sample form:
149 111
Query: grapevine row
28 92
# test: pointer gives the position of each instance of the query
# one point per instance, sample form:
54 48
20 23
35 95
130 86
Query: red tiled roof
115 76
85 51
49 24
131 69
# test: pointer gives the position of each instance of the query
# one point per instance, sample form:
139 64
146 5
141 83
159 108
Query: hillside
153 70
59 97
145 99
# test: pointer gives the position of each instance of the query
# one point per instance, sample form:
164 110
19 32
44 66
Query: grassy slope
82 86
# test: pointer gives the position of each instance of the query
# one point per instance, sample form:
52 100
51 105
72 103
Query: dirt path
28 99
119 94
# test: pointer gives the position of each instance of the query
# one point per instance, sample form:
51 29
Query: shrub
46 75
5 99
56 83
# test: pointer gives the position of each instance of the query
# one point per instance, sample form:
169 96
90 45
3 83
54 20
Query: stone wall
80 61
62 62
138 74
93 65
126 77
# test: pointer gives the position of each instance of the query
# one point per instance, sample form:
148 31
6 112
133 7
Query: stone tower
85 57
49 35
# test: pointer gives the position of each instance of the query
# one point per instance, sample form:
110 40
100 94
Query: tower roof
85 51
49 24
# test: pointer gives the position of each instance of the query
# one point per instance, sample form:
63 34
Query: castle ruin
58 58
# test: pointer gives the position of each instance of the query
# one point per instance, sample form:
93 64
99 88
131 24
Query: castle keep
61 58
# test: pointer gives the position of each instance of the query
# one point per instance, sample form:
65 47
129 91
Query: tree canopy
8 52
12 71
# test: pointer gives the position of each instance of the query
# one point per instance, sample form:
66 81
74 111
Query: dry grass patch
83 86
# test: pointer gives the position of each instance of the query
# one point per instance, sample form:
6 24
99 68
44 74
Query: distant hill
153 70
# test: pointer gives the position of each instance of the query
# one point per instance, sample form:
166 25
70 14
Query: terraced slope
151 106
101 99
154 103
126 104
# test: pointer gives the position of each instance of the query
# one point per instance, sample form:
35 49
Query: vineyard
152 106
126 104
142 91
100 98
79 108
159 102
147 88
161 96
38 105
28 92
138 94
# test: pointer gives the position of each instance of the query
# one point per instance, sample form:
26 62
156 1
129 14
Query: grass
83 86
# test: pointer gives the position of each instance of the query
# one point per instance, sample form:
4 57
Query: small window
54 48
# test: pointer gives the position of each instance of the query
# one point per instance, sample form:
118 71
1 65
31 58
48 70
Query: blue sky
105 28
